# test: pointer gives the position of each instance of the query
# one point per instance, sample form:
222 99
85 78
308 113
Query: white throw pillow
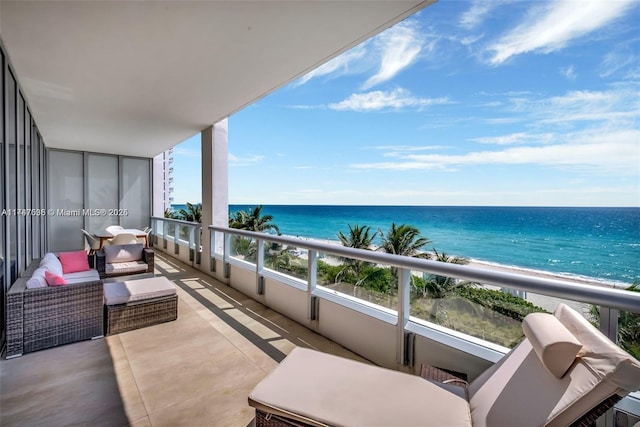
52 263
37 279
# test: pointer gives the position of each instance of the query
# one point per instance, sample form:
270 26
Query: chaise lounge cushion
600 371
321 389
553 343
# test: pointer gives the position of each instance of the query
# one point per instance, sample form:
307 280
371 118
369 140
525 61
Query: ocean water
601 243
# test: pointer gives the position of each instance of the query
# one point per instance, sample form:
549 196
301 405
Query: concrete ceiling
137 78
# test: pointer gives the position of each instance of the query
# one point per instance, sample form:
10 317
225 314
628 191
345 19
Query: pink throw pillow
72 262
53 279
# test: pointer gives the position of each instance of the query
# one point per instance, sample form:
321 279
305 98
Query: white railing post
312 282
404 301
192 244
609 323
226 250
259 267
176 238
197 244
212 250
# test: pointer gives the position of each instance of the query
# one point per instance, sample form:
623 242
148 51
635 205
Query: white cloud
340 65
552 27
244 161
399 47
613 62
186 152
569 72
475 15
396 99
515 138
600 151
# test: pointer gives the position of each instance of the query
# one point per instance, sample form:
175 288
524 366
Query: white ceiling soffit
137 78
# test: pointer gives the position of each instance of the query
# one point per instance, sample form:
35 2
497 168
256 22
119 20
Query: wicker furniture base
47 317
127 317
264 419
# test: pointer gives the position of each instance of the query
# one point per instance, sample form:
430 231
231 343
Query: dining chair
123 239
91 241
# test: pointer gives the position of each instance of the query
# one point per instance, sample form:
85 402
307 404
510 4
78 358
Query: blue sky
466 103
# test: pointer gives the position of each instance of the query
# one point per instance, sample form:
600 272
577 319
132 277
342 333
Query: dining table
104 235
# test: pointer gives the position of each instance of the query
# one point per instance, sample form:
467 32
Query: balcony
199 367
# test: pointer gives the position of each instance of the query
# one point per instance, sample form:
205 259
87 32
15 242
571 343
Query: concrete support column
215 186
157 208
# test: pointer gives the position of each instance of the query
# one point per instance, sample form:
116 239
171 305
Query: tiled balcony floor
197 370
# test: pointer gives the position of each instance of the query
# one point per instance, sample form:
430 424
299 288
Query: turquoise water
602 243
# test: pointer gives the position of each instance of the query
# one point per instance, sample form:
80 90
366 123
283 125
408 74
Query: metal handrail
176 221
593 294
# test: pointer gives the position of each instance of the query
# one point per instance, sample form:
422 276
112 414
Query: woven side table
135 304
126 317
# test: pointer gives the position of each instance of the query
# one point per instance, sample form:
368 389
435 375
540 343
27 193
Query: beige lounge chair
564 373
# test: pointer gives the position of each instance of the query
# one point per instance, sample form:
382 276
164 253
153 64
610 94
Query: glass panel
65 190
243 248
44 228
27 186
487 312
136 193
286 259
4 285
12 171
102 191
360 279
22 256
35 194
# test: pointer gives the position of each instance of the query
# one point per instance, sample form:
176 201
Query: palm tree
359 238
253 220
168 213
193 213
403 240
628 325
440 287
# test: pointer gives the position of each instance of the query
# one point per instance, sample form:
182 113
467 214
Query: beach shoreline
516 270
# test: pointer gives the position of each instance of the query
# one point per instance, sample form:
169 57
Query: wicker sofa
124 260
43 317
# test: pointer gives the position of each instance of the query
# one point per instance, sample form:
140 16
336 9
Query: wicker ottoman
135 304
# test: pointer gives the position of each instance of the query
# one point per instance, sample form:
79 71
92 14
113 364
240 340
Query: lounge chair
564 373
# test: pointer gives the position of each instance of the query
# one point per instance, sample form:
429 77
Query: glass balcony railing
482 306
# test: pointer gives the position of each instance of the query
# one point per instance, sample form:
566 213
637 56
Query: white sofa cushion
123 253
553 343
37 279
125 267
51 263
82 276
137 290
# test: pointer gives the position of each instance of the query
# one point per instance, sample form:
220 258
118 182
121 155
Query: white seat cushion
82 276
126 267
321 389
137 290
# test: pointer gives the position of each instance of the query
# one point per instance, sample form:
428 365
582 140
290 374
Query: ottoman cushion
137 290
